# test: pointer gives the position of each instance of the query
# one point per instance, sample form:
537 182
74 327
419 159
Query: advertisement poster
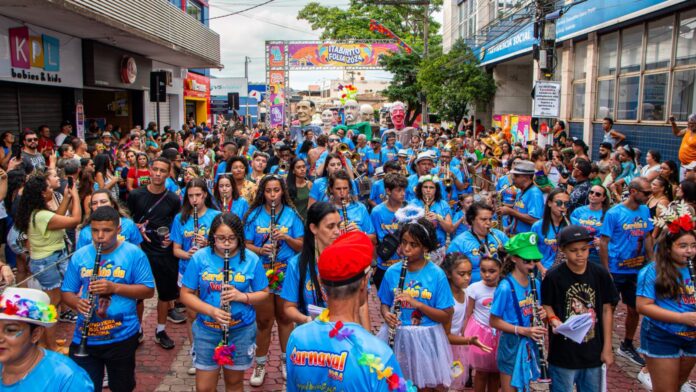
80 120
317 55
277 115
276 54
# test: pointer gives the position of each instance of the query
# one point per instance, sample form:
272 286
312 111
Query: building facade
89 61
631 60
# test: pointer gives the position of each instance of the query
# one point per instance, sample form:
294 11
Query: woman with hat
358 360
24 365
512 313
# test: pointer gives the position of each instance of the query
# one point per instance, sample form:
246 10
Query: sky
245 35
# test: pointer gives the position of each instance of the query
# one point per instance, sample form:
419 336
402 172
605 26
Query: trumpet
283 166
343 148
447 179
82 349
355 158
536 322
396 305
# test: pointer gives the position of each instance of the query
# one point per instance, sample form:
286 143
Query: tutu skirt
460 353
479 360
423 353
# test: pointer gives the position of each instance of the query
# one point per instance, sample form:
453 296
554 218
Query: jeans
585 380
119 359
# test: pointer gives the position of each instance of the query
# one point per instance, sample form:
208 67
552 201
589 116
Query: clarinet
272 257
195 226
536 322
396 305
225 306
344 209
692 274
82 349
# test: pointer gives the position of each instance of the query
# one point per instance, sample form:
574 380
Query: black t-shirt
568 293
139 203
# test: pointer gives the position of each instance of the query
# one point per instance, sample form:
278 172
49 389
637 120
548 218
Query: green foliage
454 81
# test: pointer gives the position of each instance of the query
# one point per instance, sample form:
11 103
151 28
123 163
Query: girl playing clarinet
204 292
667 300
227 196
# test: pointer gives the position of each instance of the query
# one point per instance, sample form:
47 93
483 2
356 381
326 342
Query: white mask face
327 117
351 111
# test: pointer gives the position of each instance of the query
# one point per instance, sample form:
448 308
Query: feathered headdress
676 216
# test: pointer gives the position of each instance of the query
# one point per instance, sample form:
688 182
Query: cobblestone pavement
165 370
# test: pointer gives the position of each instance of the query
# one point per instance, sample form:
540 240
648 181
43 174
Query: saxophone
396 305
536 322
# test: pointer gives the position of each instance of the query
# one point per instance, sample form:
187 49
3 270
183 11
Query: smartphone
70 182
16 151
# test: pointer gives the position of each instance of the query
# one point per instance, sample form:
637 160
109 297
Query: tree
406 21
454 81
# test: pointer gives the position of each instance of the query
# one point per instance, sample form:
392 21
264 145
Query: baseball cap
524 245
573 233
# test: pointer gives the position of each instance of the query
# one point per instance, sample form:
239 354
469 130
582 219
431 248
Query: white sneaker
191 371
284 369
258 376
644 378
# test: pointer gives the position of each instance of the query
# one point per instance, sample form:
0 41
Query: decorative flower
683 222
676 216
429 177
28 308
224 355
324 316
275 278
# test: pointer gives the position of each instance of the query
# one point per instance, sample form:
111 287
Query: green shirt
42 241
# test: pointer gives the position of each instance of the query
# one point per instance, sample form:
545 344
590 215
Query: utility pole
247 116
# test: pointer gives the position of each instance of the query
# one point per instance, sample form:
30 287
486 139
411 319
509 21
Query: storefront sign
508 45
220 87
30 54
197 86
547 99
338 54
108 66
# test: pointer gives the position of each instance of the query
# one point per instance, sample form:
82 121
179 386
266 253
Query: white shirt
457 326
483 299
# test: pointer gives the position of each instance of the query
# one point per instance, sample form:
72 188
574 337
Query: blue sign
257 91
507 45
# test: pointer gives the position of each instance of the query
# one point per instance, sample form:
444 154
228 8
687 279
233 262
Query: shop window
605 98
686 43
627 102
684 94
579 100
631 45
659 47
580 60
608 53
655 96
194 9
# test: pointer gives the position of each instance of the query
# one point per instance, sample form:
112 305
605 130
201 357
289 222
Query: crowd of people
482 251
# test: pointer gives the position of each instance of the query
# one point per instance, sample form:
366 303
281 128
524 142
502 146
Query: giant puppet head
367 113
305 111
398 115
327 118
351 110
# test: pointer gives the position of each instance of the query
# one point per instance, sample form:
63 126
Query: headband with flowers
675 217
27 308
429 177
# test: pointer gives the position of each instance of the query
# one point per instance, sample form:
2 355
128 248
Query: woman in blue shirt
129 231
357 217
548 227
429 197
288 238
333 163
227 196
591 217
203 292
666 297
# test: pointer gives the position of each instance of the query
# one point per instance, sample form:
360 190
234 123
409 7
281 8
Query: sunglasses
334 140
560 203
645 193
598 194
31 140
525 261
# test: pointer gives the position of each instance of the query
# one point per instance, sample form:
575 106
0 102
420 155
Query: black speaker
233 101
158 86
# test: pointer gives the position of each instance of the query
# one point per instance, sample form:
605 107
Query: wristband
554 317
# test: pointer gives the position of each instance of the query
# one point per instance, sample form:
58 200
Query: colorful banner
276 55
277 115
339 54
517 128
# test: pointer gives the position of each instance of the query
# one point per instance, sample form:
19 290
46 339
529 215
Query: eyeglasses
222 239
560 203
598 194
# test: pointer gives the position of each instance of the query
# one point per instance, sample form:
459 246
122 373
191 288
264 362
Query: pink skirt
460 353
479 360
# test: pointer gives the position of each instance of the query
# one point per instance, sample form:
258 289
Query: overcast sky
244 35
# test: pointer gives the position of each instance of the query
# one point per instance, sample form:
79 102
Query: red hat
347 260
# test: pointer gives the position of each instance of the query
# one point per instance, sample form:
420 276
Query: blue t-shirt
222 166
257 230
318 191
377 192
683 303
316 362
428 285
127 264
530 202
454 174
390 153
441 209
508 193
129 232
376 159
170 185
547 244
504 306
54 372
590 220
411 188
238 207
384 222
469 245
183 233
291 286
357 213
463 227
626 230
205 274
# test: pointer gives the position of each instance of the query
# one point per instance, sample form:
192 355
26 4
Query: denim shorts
655 342
584 380
47 273
205 341
507 352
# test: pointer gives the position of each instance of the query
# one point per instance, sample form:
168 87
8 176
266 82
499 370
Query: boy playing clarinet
124 277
